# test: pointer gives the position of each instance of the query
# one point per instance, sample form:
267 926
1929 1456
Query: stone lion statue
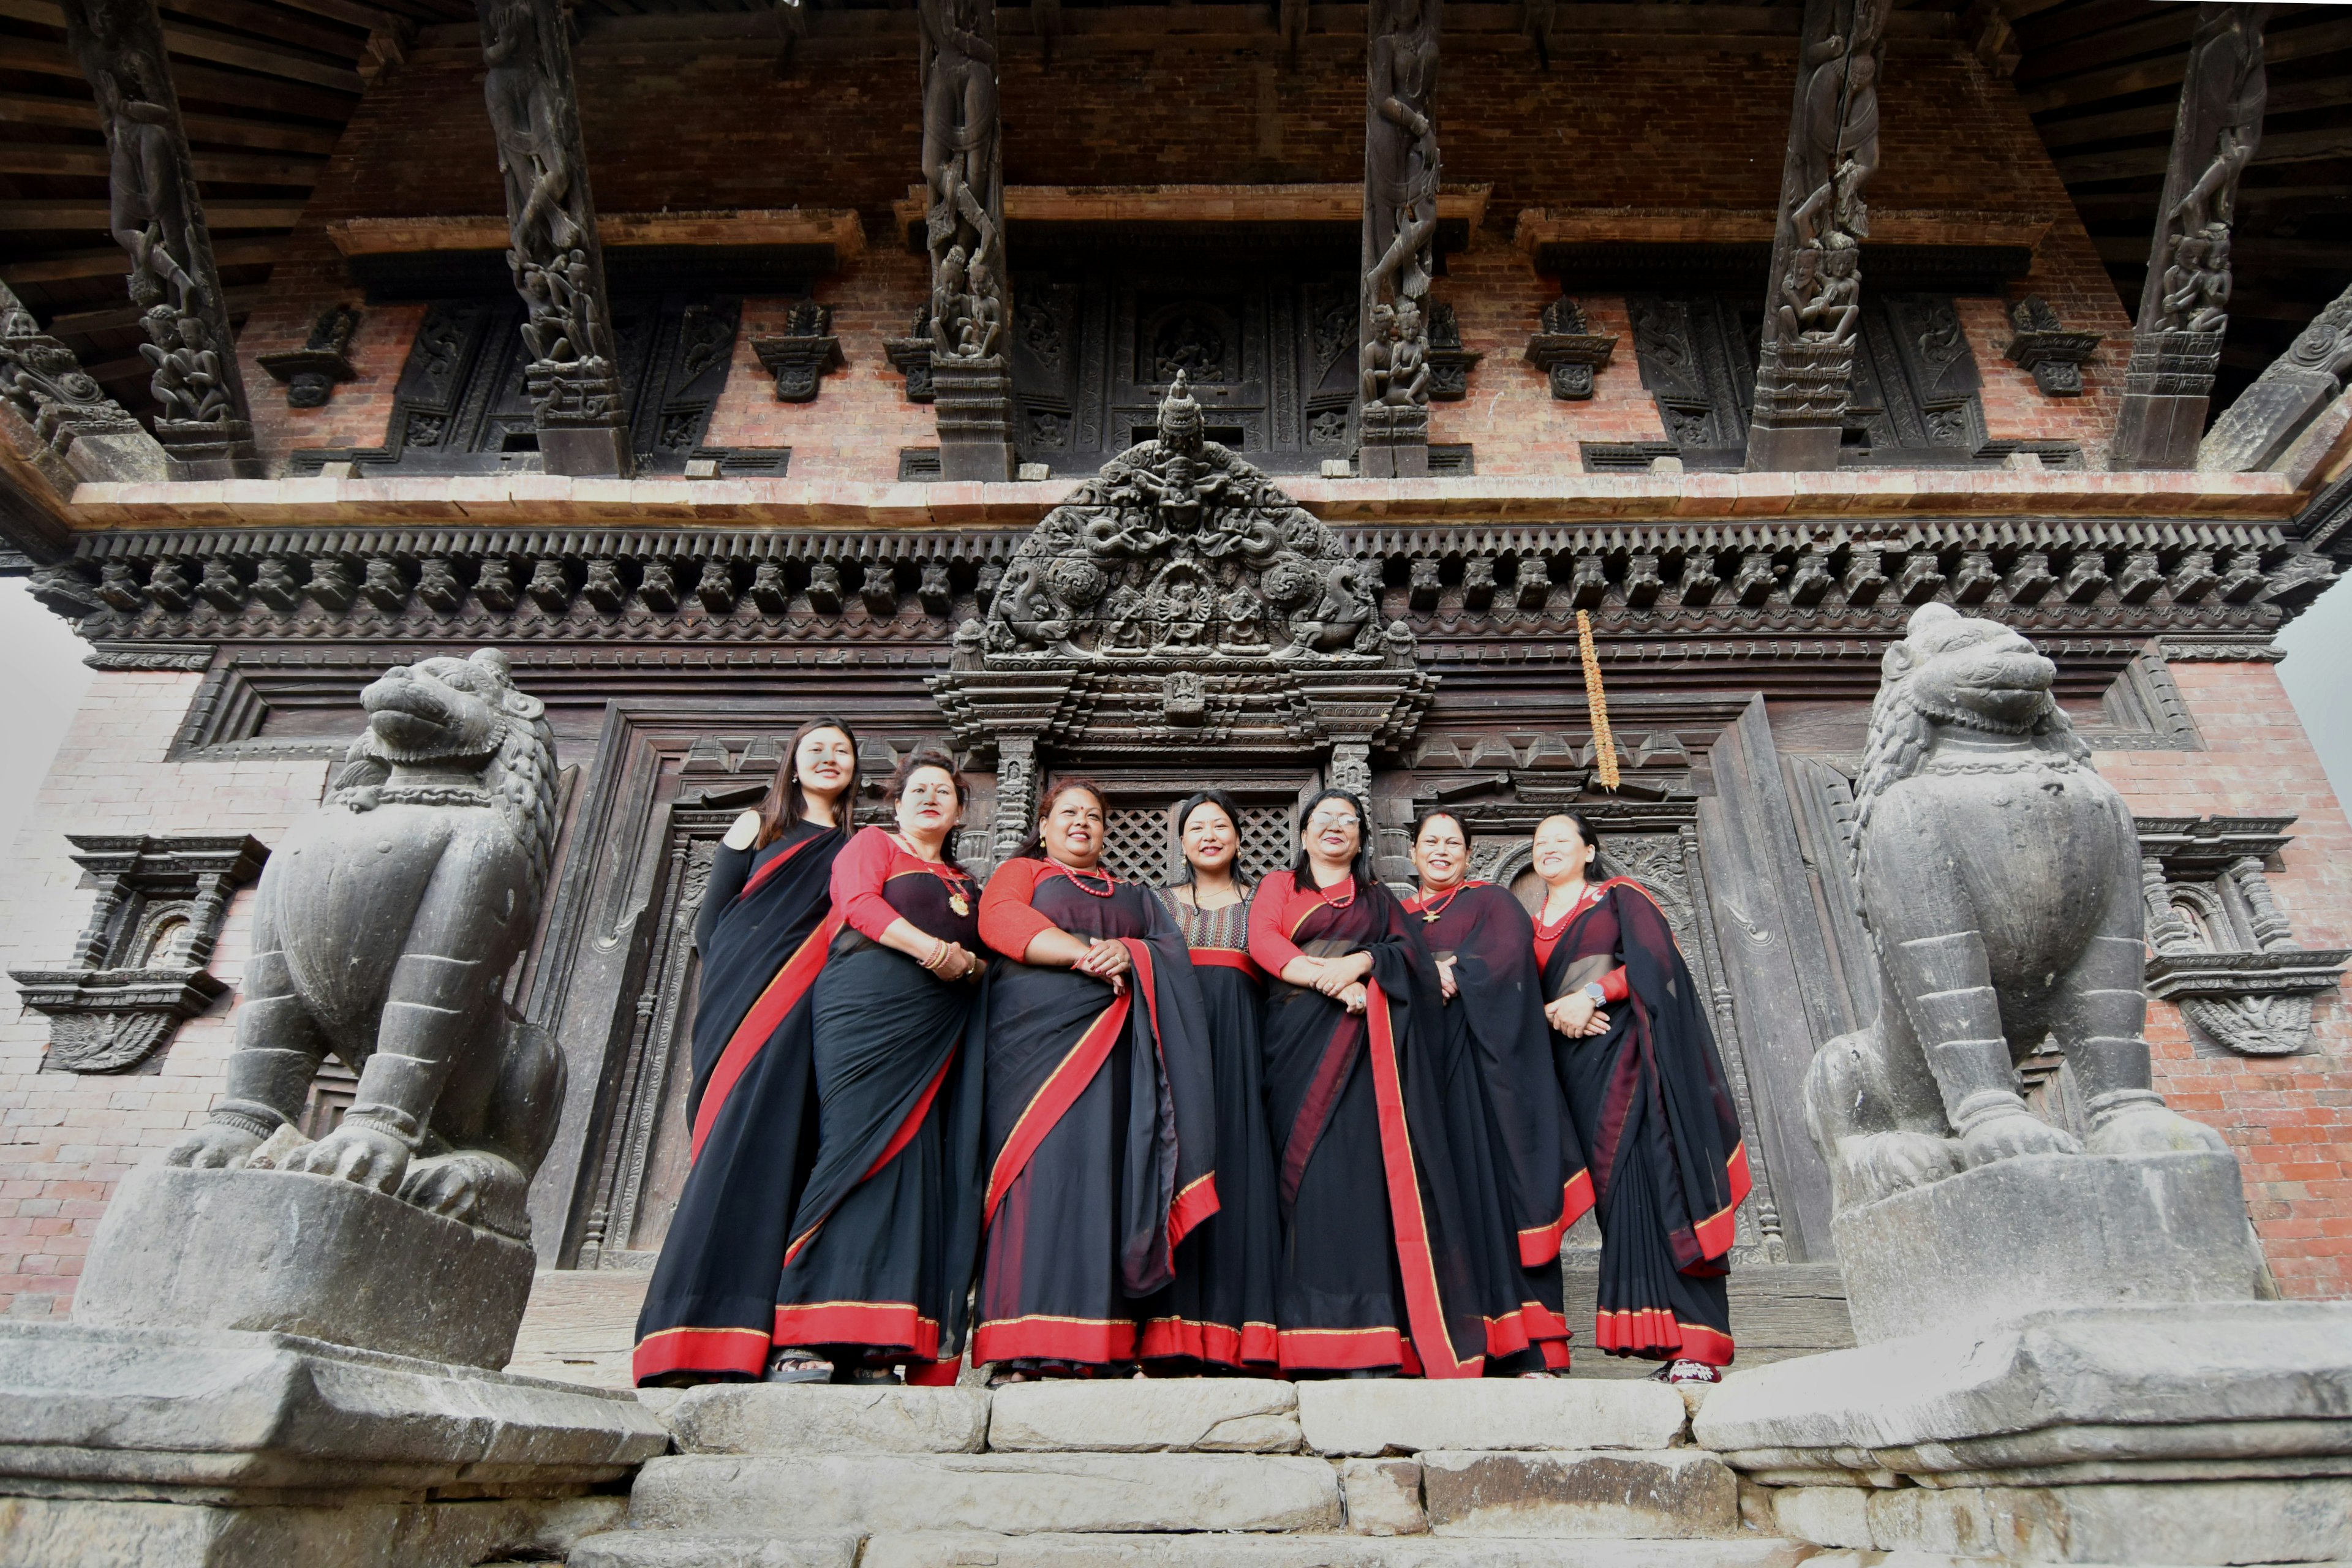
384 930
2000 882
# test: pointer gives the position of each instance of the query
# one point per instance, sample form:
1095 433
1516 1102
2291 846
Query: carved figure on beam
2184 306
558 266
1813 315
2256 430
1400 174
963 169
158 218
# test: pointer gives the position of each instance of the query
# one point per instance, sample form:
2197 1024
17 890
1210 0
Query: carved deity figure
188 375
1400 181
2197 281
1833 145
2000 882
1821 293
2219 129
42 380
963 174
526 119
384 929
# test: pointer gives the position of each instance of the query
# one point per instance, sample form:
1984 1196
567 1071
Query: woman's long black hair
783 807
1033 847
1302 870
1185 810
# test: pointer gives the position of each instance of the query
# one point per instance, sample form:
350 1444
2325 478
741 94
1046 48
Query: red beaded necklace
1549 930
1430 912
1080 874
1330 902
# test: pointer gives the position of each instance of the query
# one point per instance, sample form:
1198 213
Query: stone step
1779 1310
951 1549
1176 1415
581 1326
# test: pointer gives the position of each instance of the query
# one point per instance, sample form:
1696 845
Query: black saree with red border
1100 1142
1652 1106
752 1111
1496 1012
1394 1248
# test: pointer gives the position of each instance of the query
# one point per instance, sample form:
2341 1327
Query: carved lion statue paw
1884 1163
2153 1129
215 1146
470 1186
353 1151
2004 1135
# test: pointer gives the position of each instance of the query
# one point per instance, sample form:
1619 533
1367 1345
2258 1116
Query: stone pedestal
975 400
177 1450
1801 390
1394 441
281 1252
585 451
2044 1231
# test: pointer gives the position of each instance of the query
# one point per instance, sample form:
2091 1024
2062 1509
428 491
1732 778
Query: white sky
45 679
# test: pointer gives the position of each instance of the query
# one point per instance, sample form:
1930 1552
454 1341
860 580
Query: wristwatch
1593 989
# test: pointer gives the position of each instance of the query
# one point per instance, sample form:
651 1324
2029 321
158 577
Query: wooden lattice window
1140 841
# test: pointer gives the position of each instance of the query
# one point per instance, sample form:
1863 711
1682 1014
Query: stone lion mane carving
1999 881
382 930
1178 544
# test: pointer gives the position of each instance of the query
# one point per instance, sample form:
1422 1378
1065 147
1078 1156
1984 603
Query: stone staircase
1196 1473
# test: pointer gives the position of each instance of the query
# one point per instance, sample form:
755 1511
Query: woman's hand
1445 981
1338 973
1106 961
1576 1015
959 962
1354 998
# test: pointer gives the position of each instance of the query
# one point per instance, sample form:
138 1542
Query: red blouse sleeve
1612 984
1269 925
1007 921
858 873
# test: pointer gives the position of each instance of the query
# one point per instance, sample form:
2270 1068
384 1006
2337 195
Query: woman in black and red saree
1484 944
1393 1245
1646 1088
1101 1115
1218 1313
763 933
879 1263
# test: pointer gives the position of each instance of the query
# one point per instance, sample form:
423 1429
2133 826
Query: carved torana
2184 307
963 231
1401 177
1813 310
573 373
156 215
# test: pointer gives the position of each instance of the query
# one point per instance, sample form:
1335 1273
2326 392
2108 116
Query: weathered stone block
282 1252
91 1532
1009 1493
1670 1494
1209 1414
1405 1417
2240 1390
957 1549
2178 1524
670 1548
1384 1497
771 1418
1826 1516
2041 1231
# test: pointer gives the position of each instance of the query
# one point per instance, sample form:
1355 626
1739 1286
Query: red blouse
1008 921
869 861
1276 908
1612 984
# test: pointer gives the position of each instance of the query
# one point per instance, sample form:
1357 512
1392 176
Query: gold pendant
956 902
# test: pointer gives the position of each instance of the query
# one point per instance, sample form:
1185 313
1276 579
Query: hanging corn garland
1596 703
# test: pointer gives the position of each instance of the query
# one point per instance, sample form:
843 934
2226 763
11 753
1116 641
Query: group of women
1074 1126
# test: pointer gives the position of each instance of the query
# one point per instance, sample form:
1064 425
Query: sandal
872 1374
797 1365
1687 1372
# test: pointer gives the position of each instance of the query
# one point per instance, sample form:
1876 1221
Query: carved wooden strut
156 215
2184 306
964 171
558 264
1812 313
1400 174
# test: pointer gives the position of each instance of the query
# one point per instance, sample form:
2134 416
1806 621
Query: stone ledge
672 1549
2209 1523
1007 1493
548 500
958 1549
770 1418
1672 1494
1405 1417
56 1532
1202 1415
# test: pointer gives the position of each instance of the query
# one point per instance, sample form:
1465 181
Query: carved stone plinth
210 448
283 1252
2047 1230
179 1450
798 362
1395 443
1801 391
2166 389
1570 360
2044 346
974 399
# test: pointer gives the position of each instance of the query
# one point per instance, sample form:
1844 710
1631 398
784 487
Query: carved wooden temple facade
728 362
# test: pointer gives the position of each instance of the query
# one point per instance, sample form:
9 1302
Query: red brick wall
2289 1118
1687 126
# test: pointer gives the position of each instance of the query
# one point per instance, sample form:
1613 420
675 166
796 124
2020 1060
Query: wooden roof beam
81 114
204 44
227 168
108 261
40 57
